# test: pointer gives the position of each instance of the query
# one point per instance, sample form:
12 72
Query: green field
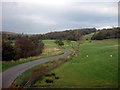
49 43
88 36
95 66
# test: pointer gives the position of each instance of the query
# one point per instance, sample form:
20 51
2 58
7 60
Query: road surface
11 74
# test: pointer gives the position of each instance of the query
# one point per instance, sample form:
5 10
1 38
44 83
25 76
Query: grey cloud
64 18
89 17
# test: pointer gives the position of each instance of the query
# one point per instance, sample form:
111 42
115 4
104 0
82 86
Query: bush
59 42
26 47
8 51
56 77
48 74
53 74
90 41
49 80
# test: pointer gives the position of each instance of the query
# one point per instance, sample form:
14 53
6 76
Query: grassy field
95 66
49 43
88 37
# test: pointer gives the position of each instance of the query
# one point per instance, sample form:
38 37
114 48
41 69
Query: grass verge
38 72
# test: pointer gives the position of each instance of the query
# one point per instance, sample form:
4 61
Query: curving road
11 74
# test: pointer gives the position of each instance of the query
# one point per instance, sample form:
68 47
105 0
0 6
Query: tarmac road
9 75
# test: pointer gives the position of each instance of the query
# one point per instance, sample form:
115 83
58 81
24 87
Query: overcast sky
56 15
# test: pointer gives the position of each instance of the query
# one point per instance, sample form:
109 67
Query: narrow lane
11 74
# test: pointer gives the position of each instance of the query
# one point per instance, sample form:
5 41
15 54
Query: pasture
95 66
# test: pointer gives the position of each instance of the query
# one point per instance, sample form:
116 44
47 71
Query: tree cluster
22 48
106 34
8 51
59 42
72 35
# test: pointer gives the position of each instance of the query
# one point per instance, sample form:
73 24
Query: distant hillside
9 35
73 34
107 34
5 32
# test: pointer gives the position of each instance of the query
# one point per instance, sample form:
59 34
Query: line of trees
107 34
73 35
21 48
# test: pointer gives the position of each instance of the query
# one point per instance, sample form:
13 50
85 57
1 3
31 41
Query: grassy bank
96 66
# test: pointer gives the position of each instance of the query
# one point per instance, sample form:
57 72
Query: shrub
8 51
53 74
90 41
49 80
59 42
48 74
56 77
26 47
